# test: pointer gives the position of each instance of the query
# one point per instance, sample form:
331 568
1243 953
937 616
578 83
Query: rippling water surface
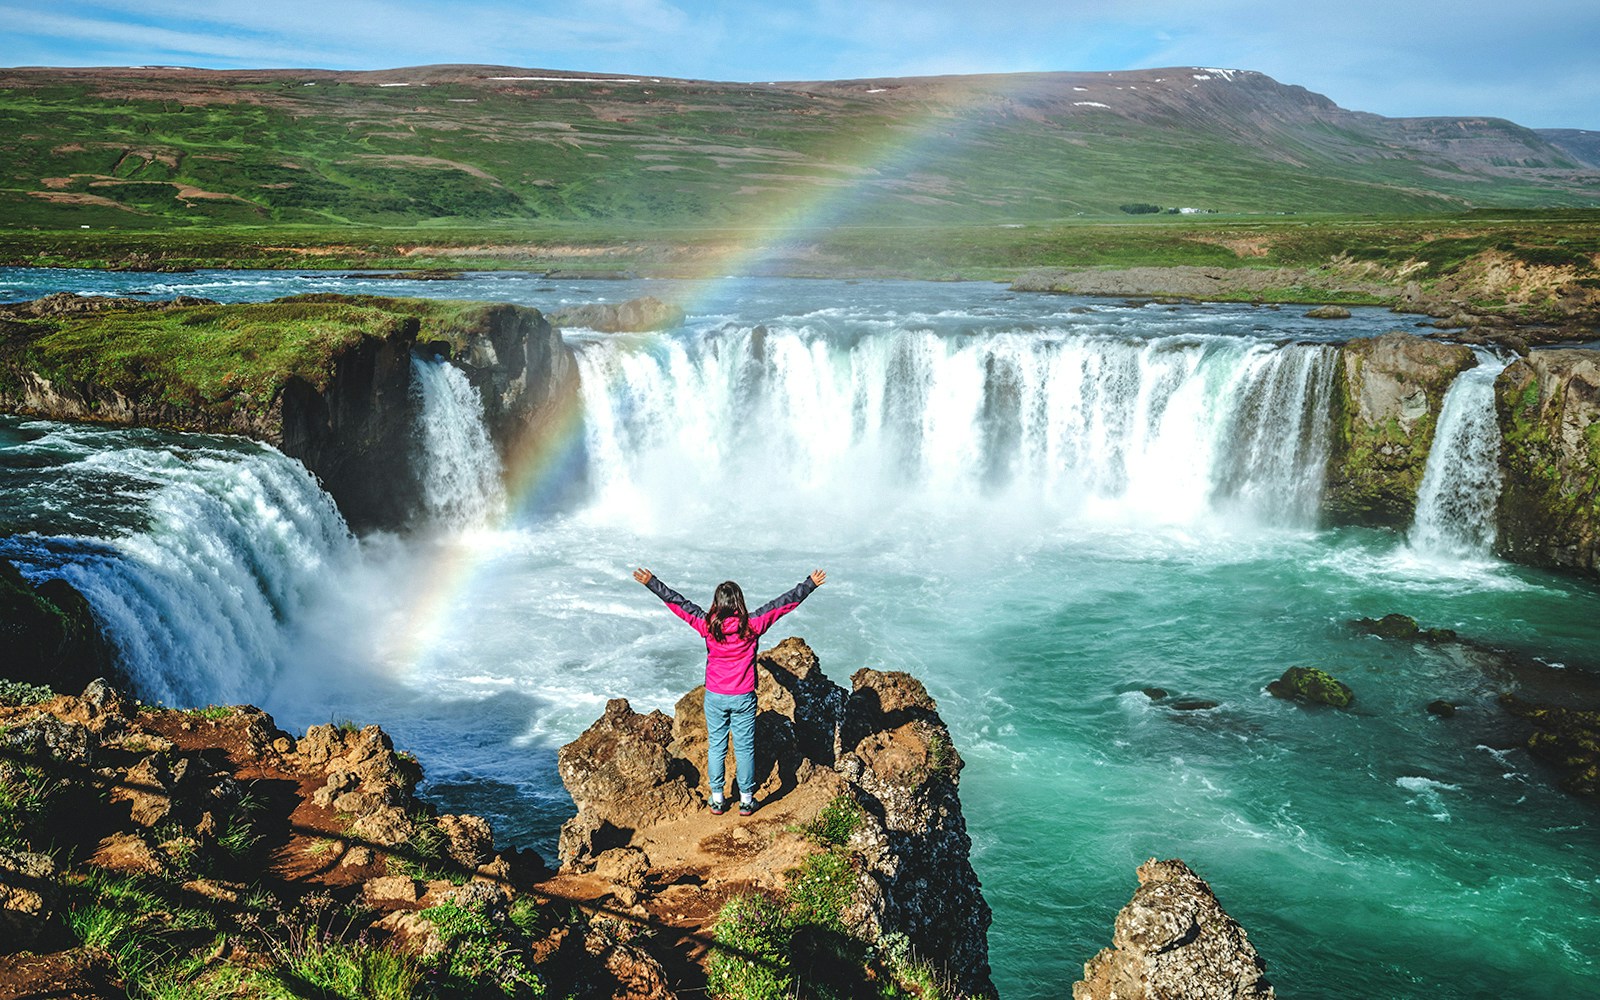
1038 505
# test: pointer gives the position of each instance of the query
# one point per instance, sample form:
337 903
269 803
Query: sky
1536 62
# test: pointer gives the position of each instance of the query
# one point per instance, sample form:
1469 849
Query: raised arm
679 605
762 618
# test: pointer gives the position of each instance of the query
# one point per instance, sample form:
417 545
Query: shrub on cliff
751 958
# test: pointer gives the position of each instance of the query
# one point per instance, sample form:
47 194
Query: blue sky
1536 62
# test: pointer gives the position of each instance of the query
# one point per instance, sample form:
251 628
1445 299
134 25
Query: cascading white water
460 470
229 543
1167 429
1461 485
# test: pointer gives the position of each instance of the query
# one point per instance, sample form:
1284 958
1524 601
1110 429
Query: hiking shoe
718 807
746 808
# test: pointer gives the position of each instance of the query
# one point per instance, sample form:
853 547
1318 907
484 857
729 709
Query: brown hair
728 602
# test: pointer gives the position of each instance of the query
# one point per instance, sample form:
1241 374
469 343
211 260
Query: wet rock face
48 634
1548 406
632 316
1388 393
1172 941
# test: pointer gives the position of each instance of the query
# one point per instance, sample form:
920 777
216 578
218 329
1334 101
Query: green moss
219 358
1308 684
20 693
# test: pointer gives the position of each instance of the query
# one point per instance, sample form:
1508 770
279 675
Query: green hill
471 145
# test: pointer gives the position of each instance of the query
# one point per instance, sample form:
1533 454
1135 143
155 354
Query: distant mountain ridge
152 146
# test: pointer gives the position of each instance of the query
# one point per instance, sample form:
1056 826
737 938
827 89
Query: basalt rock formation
1549 411
1173 940
1387 396
880 754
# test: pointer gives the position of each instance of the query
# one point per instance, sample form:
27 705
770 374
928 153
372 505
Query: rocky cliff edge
208 848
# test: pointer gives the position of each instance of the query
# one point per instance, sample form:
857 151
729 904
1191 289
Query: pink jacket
731 662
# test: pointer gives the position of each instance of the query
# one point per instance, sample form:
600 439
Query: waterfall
1461 484
1167 429
201 551
460 470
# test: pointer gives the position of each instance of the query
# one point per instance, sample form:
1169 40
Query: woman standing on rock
731 634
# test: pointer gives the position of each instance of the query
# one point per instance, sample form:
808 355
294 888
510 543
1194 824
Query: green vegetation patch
216 358
1308 684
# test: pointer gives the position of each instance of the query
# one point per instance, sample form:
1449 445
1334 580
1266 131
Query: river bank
1494 268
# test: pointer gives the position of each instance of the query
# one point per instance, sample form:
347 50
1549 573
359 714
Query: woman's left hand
643 575
818 576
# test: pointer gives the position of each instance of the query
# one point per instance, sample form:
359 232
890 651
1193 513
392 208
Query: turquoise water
1036 556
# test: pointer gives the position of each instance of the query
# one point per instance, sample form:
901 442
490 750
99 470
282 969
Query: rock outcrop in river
1549 410
1387 396
1172 941
858 806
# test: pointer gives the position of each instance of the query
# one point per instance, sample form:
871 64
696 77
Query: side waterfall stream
1040 506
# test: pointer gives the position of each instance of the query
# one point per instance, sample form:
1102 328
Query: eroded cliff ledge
1388 393
1549 410
325 378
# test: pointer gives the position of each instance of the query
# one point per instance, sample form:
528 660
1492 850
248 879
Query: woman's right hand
817 576
643 575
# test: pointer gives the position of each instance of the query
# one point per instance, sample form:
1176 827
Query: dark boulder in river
1310 685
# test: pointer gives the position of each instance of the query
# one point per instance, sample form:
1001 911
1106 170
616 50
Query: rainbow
542 458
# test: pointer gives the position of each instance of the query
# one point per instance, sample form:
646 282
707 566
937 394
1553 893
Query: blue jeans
738 712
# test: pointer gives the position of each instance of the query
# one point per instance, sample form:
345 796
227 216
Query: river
1039 505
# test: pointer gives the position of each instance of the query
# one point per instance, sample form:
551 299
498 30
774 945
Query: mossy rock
1565 737
1313 686
1398 626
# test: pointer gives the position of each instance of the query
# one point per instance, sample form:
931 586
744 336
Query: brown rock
628 866
126 852
411 933
386 826
145 788
633 316
1174 940
620 776
319 744
1328 312
391 889
637 975
28 897
470 841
